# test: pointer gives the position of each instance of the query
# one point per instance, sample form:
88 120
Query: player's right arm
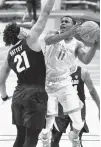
38 28
4 72
88 81
86 57
56 37
26 25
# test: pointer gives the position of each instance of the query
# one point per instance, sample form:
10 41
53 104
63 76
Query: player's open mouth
63 27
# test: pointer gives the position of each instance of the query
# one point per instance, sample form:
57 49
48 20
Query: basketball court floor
8 131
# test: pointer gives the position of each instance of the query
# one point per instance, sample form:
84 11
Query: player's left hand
5 98
97 43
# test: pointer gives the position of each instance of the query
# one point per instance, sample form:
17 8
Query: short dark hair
74 21
10 34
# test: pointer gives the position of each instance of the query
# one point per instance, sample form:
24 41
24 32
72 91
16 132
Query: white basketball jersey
60 58
60 63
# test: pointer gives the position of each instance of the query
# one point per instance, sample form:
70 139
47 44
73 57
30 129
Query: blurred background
81 9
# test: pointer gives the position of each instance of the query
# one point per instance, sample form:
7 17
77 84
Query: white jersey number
61 55
19 59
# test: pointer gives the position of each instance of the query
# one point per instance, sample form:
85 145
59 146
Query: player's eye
64 21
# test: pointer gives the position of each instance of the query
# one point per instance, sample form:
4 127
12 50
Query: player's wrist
5 98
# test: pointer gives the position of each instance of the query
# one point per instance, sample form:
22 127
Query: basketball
88 32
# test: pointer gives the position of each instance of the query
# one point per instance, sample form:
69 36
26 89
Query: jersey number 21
19 59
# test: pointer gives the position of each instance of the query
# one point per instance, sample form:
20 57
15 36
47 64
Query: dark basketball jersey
78 83
28 65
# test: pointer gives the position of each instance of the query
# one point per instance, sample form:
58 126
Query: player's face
66 24
22 34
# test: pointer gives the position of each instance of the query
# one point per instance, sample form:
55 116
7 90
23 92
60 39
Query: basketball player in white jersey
80 78
61 50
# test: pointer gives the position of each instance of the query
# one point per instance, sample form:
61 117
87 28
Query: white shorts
68 98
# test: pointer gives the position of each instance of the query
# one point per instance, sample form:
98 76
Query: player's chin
62 30
77 36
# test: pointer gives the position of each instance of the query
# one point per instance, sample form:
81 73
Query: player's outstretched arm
38 28
4 72
88 81
57 37
26 25
86 57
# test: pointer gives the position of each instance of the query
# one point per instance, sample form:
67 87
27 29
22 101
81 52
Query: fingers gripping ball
89 32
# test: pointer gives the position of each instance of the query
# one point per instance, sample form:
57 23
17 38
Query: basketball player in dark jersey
79 78
25 58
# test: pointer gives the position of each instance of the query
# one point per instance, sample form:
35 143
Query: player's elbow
85 61
48 41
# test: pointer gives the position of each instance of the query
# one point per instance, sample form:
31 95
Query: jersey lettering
19 59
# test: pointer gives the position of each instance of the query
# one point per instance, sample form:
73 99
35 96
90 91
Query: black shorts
29 106
63 121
